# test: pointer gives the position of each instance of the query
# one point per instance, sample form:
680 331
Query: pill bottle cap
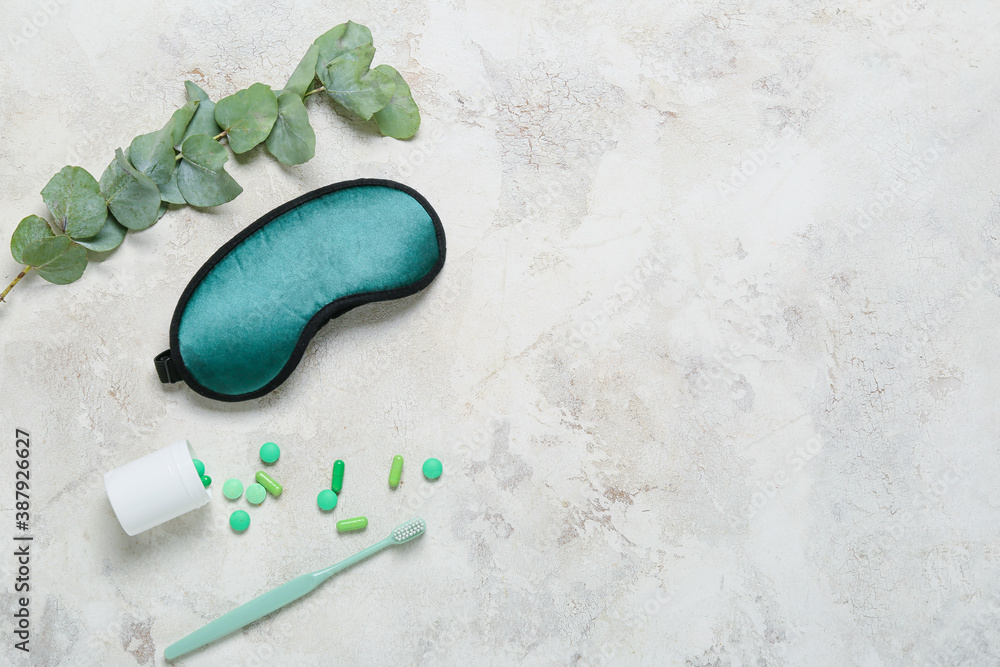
155 488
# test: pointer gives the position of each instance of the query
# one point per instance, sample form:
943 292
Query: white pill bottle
156 488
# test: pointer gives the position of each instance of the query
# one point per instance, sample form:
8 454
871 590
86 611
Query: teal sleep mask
244 321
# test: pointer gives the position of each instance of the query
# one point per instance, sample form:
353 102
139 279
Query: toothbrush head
409 530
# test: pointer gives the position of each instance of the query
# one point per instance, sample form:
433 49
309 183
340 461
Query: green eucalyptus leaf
201 177
110 237
203 121
180 120
304 74
164 206
45 250
400 118
74 198
67 267
205 152
131 195
247 116
169 192
352 85
339 40
153 154
292 139
29 230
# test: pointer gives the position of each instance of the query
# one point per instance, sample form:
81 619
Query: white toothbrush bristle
409 530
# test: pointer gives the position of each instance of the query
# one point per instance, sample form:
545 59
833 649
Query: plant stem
221 134
15 281
314 90
178 156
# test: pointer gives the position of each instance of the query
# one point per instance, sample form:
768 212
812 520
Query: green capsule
206 480
396 472
338 476
199 466
357 523
268 483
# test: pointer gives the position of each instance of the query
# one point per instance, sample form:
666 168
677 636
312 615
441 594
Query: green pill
432 468
269 452
396 471
232 489
326 500
268 483
338 476
199 466
256 494
239 521
357 523
205 480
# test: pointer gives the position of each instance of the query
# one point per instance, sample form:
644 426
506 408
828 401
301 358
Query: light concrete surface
711 367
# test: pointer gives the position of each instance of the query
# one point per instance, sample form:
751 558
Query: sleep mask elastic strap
165 368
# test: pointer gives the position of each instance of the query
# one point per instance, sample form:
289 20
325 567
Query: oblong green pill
357 523
232 489
268 483
326 500
396 471
239 521
199 466
269 452
256 494
338 476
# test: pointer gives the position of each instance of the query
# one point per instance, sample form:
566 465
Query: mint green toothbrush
282 595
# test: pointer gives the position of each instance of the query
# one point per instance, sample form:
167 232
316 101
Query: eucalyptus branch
184 161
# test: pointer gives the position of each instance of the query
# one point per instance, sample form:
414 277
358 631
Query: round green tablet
232 489
239 521
269 452
326 500
205 480
199 466
432 468
256 494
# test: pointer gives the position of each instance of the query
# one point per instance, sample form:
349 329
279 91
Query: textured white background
694 406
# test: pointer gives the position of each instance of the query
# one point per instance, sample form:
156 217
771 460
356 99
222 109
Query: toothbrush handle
263 605
328 572
244 614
